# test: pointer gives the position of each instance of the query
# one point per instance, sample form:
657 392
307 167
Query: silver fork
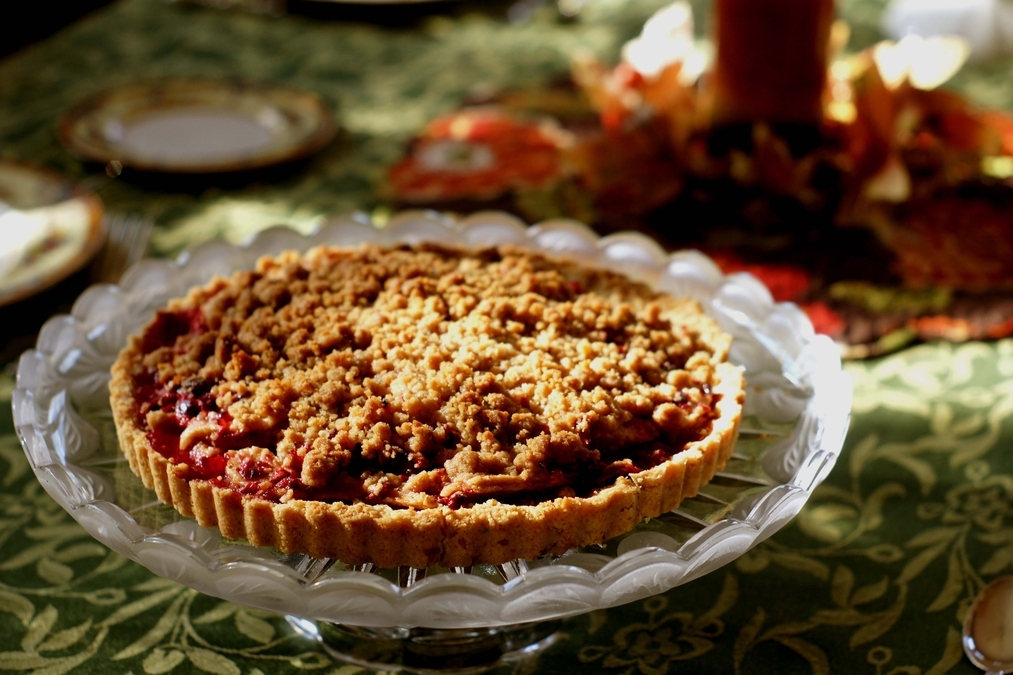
126 242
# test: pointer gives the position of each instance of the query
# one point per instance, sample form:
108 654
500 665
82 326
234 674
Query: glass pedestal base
429 651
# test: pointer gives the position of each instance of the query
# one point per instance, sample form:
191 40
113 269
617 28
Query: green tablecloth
873 577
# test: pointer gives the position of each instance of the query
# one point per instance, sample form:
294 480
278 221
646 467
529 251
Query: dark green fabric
873 577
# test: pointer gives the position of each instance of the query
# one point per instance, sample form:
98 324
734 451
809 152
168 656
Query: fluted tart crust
426 406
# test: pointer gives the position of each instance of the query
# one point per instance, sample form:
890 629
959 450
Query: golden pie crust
426 406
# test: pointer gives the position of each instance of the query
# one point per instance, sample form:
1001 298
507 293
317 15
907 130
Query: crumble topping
428 376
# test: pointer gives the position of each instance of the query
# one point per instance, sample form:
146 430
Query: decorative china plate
798 403
56 232
197 125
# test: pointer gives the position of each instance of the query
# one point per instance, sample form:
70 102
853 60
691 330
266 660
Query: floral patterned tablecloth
875 574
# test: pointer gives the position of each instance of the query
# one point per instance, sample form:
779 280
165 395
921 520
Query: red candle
771 60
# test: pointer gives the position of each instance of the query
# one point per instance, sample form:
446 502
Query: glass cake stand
797 410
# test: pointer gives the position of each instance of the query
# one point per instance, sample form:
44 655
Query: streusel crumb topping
419 377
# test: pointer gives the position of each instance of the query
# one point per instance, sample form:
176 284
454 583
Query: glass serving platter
797 411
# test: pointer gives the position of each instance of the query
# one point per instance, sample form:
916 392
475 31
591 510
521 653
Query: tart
426 406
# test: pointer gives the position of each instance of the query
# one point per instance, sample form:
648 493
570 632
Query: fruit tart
424 405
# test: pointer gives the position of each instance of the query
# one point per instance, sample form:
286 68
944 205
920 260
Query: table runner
872 577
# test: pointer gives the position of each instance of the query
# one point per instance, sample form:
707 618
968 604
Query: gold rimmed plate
53 231
197 126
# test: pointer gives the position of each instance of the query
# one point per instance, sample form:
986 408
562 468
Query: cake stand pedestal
429 651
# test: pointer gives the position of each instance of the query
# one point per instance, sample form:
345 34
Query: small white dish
46 232
197 125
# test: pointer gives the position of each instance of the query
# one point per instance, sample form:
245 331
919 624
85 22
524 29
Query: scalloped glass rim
796 385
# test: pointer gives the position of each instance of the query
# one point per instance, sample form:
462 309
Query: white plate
797 411
197 126
67 230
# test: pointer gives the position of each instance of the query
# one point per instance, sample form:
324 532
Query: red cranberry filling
168 326
193 399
